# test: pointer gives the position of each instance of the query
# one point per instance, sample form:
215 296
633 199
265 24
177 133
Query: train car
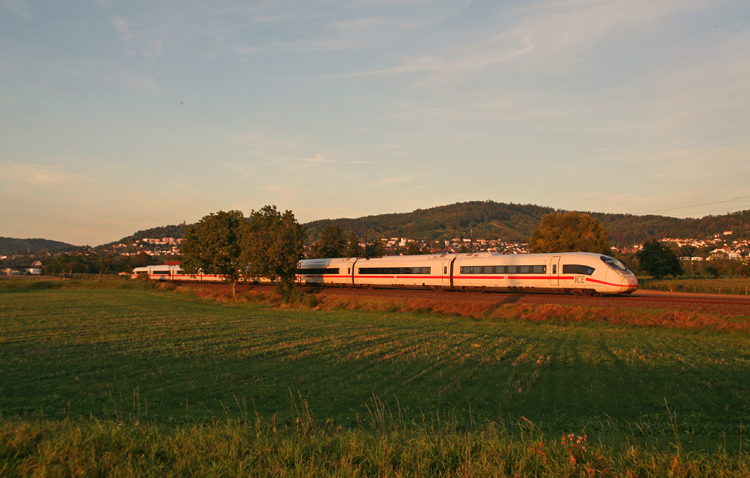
174 273
402 271
571 272
335 272
159 273
576 272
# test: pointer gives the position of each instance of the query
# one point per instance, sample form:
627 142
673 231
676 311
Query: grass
699 286
144 375
259 448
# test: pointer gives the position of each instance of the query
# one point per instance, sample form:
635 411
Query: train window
159 273
577 269
394 270
445 270
329 270
504 270
612 262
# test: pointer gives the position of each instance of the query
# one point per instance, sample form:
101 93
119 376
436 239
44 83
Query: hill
482 219
509 222
515 222
175 231
9 245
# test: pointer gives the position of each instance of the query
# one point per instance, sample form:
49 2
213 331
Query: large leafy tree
354 249
658 260
569 232
376 248
215 246
414 248
331 244
274 246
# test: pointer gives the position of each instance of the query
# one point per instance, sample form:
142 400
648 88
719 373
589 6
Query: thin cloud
143 42
18 7
397 180
548 35
39 175
237 169
280 148
47 62
318 159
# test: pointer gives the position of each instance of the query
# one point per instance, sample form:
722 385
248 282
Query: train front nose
629 283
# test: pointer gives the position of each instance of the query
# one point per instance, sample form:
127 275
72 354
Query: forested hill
515 222
9 245
626 229
509 222
483 219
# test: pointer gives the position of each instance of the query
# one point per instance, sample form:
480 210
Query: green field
171 359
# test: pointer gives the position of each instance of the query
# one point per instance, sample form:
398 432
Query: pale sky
120 116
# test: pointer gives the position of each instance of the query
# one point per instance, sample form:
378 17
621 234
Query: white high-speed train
572 272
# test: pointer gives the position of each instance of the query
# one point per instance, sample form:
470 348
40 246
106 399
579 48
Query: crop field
700 286
175 360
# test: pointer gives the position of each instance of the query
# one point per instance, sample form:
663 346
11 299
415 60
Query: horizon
354 219
118 115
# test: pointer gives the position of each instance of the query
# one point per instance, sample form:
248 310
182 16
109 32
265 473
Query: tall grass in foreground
308 448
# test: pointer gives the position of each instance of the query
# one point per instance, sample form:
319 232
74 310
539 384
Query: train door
445 273
350 270
555 271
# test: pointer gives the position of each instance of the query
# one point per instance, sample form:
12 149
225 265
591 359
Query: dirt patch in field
717 313
500 310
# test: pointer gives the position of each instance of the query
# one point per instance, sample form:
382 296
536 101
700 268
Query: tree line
269 244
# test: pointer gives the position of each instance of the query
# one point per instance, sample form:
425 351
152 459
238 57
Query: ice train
571 272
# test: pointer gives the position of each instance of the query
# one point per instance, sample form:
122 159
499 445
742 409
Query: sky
121 116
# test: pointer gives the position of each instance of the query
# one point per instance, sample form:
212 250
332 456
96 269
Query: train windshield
612 262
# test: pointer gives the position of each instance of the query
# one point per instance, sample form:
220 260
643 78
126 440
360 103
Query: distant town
719 243
720 247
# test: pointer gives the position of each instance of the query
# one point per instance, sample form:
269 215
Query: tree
139 260
106 260
353 249
714 271
331 244
274 247
658 260
376 249
688 250
569 232
215 246
414 248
